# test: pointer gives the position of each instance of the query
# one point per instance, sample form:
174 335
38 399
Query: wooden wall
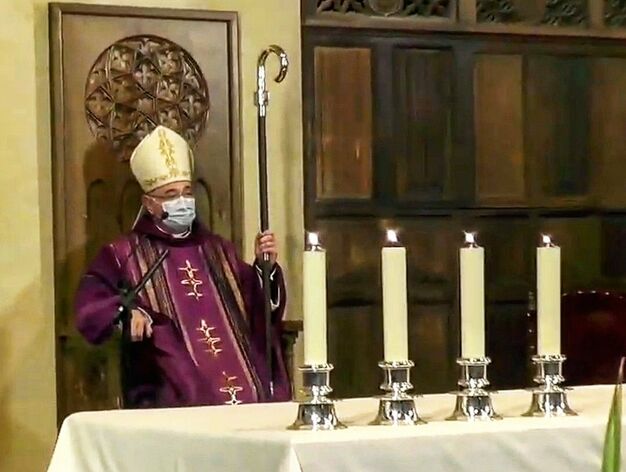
507 118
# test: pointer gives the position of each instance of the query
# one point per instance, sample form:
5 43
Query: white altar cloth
254 438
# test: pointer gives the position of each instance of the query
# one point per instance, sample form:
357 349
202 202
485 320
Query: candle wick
313 243
470 240
392 239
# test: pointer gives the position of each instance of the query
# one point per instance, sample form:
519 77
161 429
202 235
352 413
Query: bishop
197 327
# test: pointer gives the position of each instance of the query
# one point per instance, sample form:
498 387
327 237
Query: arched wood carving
140 82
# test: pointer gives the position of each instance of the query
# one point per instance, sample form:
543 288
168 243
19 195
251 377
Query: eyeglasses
187 193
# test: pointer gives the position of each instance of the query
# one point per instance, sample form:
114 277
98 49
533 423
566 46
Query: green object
611 454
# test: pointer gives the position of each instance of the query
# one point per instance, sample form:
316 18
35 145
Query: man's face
153 201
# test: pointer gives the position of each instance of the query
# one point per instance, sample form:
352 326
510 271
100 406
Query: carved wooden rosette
615 13
496 11
402 8
566 13
140 82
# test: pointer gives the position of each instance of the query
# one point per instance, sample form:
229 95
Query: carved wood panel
140 82
615 13
343 97
497 11
566 13
525 16
402 8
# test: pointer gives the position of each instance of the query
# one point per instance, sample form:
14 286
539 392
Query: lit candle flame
392 236
470 238
313 239
546 239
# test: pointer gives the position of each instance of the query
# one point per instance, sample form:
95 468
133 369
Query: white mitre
162 157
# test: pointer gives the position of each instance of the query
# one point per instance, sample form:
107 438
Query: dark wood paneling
422 121
431 245
343 100
355 355
500 170
557 128
509 257
580 239
614 249
608 125
506 325
429 339
534 134
353 258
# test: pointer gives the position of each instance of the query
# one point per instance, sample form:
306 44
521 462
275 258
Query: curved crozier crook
282 56
262 96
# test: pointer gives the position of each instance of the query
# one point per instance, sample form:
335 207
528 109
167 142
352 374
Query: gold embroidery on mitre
210 340
231 389
166 148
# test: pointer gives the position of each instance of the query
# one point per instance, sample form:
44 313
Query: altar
254 437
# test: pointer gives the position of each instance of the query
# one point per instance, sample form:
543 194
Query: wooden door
116 73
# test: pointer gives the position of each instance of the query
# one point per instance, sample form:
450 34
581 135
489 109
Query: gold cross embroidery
209 339
231 389
190 274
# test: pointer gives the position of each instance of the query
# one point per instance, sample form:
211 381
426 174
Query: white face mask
180 213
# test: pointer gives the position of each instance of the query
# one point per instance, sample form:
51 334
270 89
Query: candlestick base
316 412
473 400
396 407
549 398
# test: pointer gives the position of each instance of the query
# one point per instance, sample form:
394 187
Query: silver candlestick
397 407
549 398
473 401
316 412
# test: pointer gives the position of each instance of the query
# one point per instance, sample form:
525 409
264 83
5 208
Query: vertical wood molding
467 11
596 13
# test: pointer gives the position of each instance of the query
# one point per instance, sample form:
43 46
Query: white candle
394 300
548 298
314 302
472 275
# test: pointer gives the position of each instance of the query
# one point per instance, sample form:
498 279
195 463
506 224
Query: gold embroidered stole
222 271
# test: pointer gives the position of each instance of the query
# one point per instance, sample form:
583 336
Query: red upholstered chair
593 335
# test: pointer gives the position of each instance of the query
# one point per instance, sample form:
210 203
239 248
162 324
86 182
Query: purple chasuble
208 342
